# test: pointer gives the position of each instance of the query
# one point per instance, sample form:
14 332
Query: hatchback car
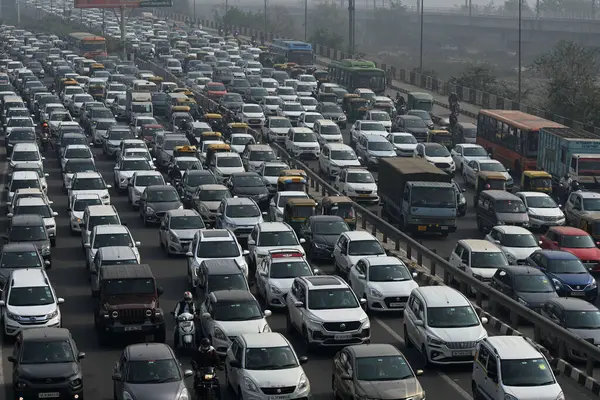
575 241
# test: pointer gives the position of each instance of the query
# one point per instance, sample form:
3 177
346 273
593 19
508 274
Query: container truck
563 151
417 195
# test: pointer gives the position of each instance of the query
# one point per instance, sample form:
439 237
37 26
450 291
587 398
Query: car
478 258
249 185
29 302
25 152
292 110
325 312
575 241
380 116
77 205
220 274
224 165
370 365
404 143
566 272
90 183
363 127
287 93
371 148
227 314
27 193
542 210
517 242
436 154
138 183
268 236
30 228
76 151
74 166
126 167
239 141
38 206
333 112
270 173
327 131
386 283
110 236
411 124
302 142
191 181
580 204
464 153
336 156
177 230
290 379
472 168
23 180
63 375
528 285
321 232
94 215
252 114
156 200
15 256
424 115
271 105
254 155
149 366
239 215
351 246
278 202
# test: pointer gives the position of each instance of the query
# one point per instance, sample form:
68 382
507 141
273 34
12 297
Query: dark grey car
333 112
17 256
156 201
527 285
30 228
411 124
232 101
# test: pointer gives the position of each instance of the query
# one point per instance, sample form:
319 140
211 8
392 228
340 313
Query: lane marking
463 393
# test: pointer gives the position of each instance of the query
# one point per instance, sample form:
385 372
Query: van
97 215
478 258
498 207
464 132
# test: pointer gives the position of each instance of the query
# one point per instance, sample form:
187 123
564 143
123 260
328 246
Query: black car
249 184
156 201
333 112
30 228
528 285
321 232
232 101
46 362
239 85
19 255
159 103
190 181
22 135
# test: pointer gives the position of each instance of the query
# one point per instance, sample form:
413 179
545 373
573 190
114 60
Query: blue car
566 272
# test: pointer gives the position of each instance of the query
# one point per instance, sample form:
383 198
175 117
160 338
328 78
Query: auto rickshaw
280 67
210 136
321 76
488 180
441 136
185 91
297 211
184 151
97 67
342 206
179 109
295 183
327 98
192 104
536 181
296 71
236 127
356 107
293 172
155 79
591 224
66 82
214 120
214 148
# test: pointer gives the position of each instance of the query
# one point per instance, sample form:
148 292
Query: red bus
87 45
512 137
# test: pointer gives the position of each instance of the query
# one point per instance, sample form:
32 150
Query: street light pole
265 12
421 45
305 20
519 56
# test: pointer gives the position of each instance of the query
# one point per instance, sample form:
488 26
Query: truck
138 103
417 195
572 152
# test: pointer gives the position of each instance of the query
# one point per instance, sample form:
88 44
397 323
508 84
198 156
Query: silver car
177 230
240 215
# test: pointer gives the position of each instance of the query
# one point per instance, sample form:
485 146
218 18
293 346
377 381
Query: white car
268 236
90 183
109 236
277 129
302 142
238 141
74 166
309 80
380 116
39 206
139 181
436 154
270 84
225 164
130 144
252 114
308 118
362 127
517 242
272 376
351 246
139 153
385 282
336 156
308 102
287 94
26 192
226 314
26 153
76 102
473 167
77 206
542 210
269 172
291 111
125 169
404 143
270 104
76 151
279 201
23 180
56 118
327 131
464 153
357 183
325 312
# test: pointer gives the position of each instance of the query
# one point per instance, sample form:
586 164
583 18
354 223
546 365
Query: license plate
422 228
462 353
133 328
395 305
344 336
579 294
50 395
444 228
279 397
363 195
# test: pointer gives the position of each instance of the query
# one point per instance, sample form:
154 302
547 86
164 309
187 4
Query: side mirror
2 303
81 355
361 277
496 242
298 304
55 214
9 215
160 291
363 302
245 252
87 245
419 323
419 372
138 244
189 254
206 315
303 359
60 300
267 313
187 373
117 377
346 377
484 320
12 359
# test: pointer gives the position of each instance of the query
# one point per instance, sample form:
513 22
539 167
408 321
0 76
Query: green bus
357 74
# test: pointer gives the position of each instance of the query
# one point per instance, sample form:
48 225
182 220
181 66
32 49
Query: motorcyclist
452 98
205 357
186 305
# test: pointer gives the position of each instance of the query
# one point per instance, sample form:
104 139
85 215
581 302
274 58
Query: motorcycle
186 331
44 137
206 384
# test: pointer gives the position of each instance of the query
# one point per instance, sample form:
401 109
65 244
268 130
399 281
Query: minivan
498 207
464 132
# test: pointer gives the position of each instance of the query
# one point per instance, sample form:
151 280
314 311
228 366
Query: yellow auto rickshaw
97 67
293 172
184 151
294 183
591 224
346 101
536 181
280 67
155 79
237 127
297 211
179 109
66 82
214 120
488 180
209 136
342 206
216 148
185 91
441 136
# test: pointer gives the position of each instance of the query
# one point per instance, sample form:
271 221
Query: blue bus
288 50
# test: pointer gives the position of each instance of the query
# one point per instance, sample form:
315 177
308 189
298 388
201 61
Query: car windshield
23 135
510 206
270 358
252 109
488 259
333 228
103 220
229 162
331 109
290 269
533 284
200 179
436 151
171 144
294 107
213 195
414 123
162 195
326 299
380 146
24 184
20 259
526 372
245 310
577 242
136 286
27 233
149 180
451 317
232 97
78 153
241 140
286 91
385 368
280 123
262 155
227 282
242 211
153 371
582 319
389 273
474 152
104 126
380 116
225 249
88 184
187 222
41 209
305 137
188 164
247 181
591 204
30 296
113 239
519 240
492 166
46 352
120 135
541 202
25 156
80 205
365 248
360 177
26 122
281 238
345 155
274 170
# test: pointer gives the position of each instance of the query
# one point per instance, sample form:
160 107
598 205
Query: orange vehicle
215 90
87 45
511 137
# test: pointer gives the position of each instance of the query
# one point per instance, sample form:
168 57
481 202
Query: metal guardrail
413 248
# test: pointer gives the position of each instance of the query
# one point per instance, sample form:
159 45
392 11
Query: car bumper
180 247
13 328
322 252
588 295
276 300
301 395
387 303
314 154
119 328
330 339
444 356
49 391
364 198
542 223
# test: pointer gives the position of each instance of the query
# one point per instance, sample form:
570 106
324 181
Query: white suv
29 302
268 236
511 367
351 246
326 312
441 322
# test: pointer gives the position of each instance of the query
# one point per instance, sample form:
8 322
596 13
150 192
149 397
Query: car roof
317 282
232 295
127 271
512 230
359 235
385 260
117 253
568 231
184 212
442 296
558 254
155 188
572 303
25 175
222 266
523 270
234 201
480 245
274 227
533 194
265 339
25 146
110 229
43 334
148 351
215 235
32 201
374 350
102 209
513 347
87 175
29 277
18 247
375 138
325 218
588 195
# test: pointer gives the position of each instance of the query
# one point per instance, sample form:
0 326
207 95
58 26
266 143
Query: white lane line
463 393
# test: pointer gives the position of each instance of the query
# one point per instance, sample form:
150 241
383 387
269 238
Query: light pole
265 30
305 20
421 44
519 56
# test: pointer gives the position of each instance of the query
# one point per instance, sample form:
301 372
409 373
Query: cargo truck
417 195
563 151
138 103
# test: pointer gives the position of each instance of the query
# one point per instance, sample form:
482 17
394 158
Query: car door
549 240
233 373
471 171
120 368
456 154
344 367
503 282
262 277
205 323
339 252
569 208
577 211
456 255
294 312
549 310
163 230
289 140
253 242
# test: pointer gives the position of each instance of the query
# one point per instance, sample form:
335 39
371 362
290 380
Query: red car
576 242
215 90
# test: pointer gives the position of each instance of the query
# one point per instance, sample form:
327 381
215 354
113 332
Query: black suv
30 228
126 302
46 363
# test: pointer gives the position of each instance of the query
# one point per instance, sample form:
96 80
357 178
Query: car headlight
509 397
275 289
53 314
593 285
320 246
173 237
303 382
45 250
219 334
434 341
75 383
183 395
375 293
149 210
557 284
250 385
21 385
14 317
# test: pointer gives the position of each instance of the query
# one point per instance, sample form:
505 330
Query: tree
481 77
566 6
326 19
570 70
512 7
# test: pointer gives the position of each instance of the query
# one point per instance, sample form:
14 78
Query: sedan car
574 241
516 242
527 285
473 167
464 153
177 230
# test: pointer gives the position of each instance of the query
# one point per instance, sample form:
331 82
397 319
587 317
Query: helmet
204 344
187 296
